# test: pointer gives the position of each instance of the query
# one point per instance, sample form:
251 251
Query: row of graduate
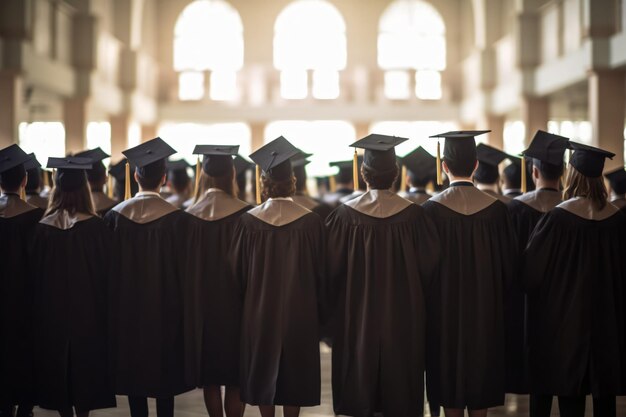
151 301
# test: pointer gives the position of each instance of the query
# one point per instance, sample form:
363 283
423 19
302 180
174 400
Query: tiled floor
192 404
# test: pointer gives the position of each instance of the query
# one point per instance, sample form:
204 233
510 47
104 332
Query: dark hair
379 180
151 175
11 179
271 188
119 189
179 180
417 181
549 171
226 183
461 167
300 174
34 179
78 201
578 185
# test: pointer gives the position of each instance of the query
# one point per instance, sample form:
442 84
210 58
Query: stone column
148 132
258 135
494 123
607 106
119 135
75 119
535 115
10 94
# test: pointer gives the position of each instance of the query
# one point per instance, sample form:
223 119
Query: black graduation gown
153 349
526 211
278 254
18 220
71 256
465 355
382 253
34 199
574 269
333 198
418 197
219 316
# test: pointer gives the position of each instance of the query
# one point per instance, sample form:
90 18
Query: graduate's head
151 177
380 164
459 152
71 190
97 175
584 178
421 167
13 179
150 158
218 168
547 171
488 160
512 176
344 176
274 161
279 181
177 177
617 180
118 172
547 150
299 164
33 182
12 168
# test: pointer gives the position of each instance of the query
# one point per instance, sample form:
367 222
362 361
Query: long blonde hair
578 185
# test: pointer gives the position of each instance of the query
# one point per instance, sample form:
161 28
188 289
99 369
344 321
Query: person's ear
163 179
445 167
535 173
136 177
24 181
475 168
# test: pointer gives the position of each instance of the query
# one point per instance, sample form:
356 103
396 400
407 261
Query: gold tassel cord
127 183
439 177
355 170
332 184
403 179
198 173
258 185
23 193
524 188
110 186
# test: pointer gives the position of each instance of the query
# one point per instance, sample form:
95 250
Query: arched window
309 37
208 40
412 43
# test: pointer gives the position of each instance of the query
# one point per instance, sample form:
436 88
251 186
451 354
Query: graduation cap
242 164
380 153
547 147
274 159
71 172
301 159
96 155
32 163
142 156
149 152
617 179
421 165
588 160
121 173
217 159
179 165
11 157
489 158
460 145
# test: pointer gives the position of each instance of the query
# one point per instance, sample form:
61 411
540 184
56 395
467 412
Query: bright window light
412 37
293 84
325 84
45 139
190 85
223 85
428 85
327 140
310 35
513 137
397 85
99 136
208 36
185 136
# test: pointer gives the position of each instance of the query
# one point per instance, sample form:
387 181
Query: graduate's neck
454 178
149 190
541 183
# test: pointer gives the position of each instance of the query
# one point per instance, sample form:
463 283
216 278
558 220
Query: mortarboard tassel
258 185
439 178
46 179
403 179
332 184
524 188
198 173
110 186
127 183
355 170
